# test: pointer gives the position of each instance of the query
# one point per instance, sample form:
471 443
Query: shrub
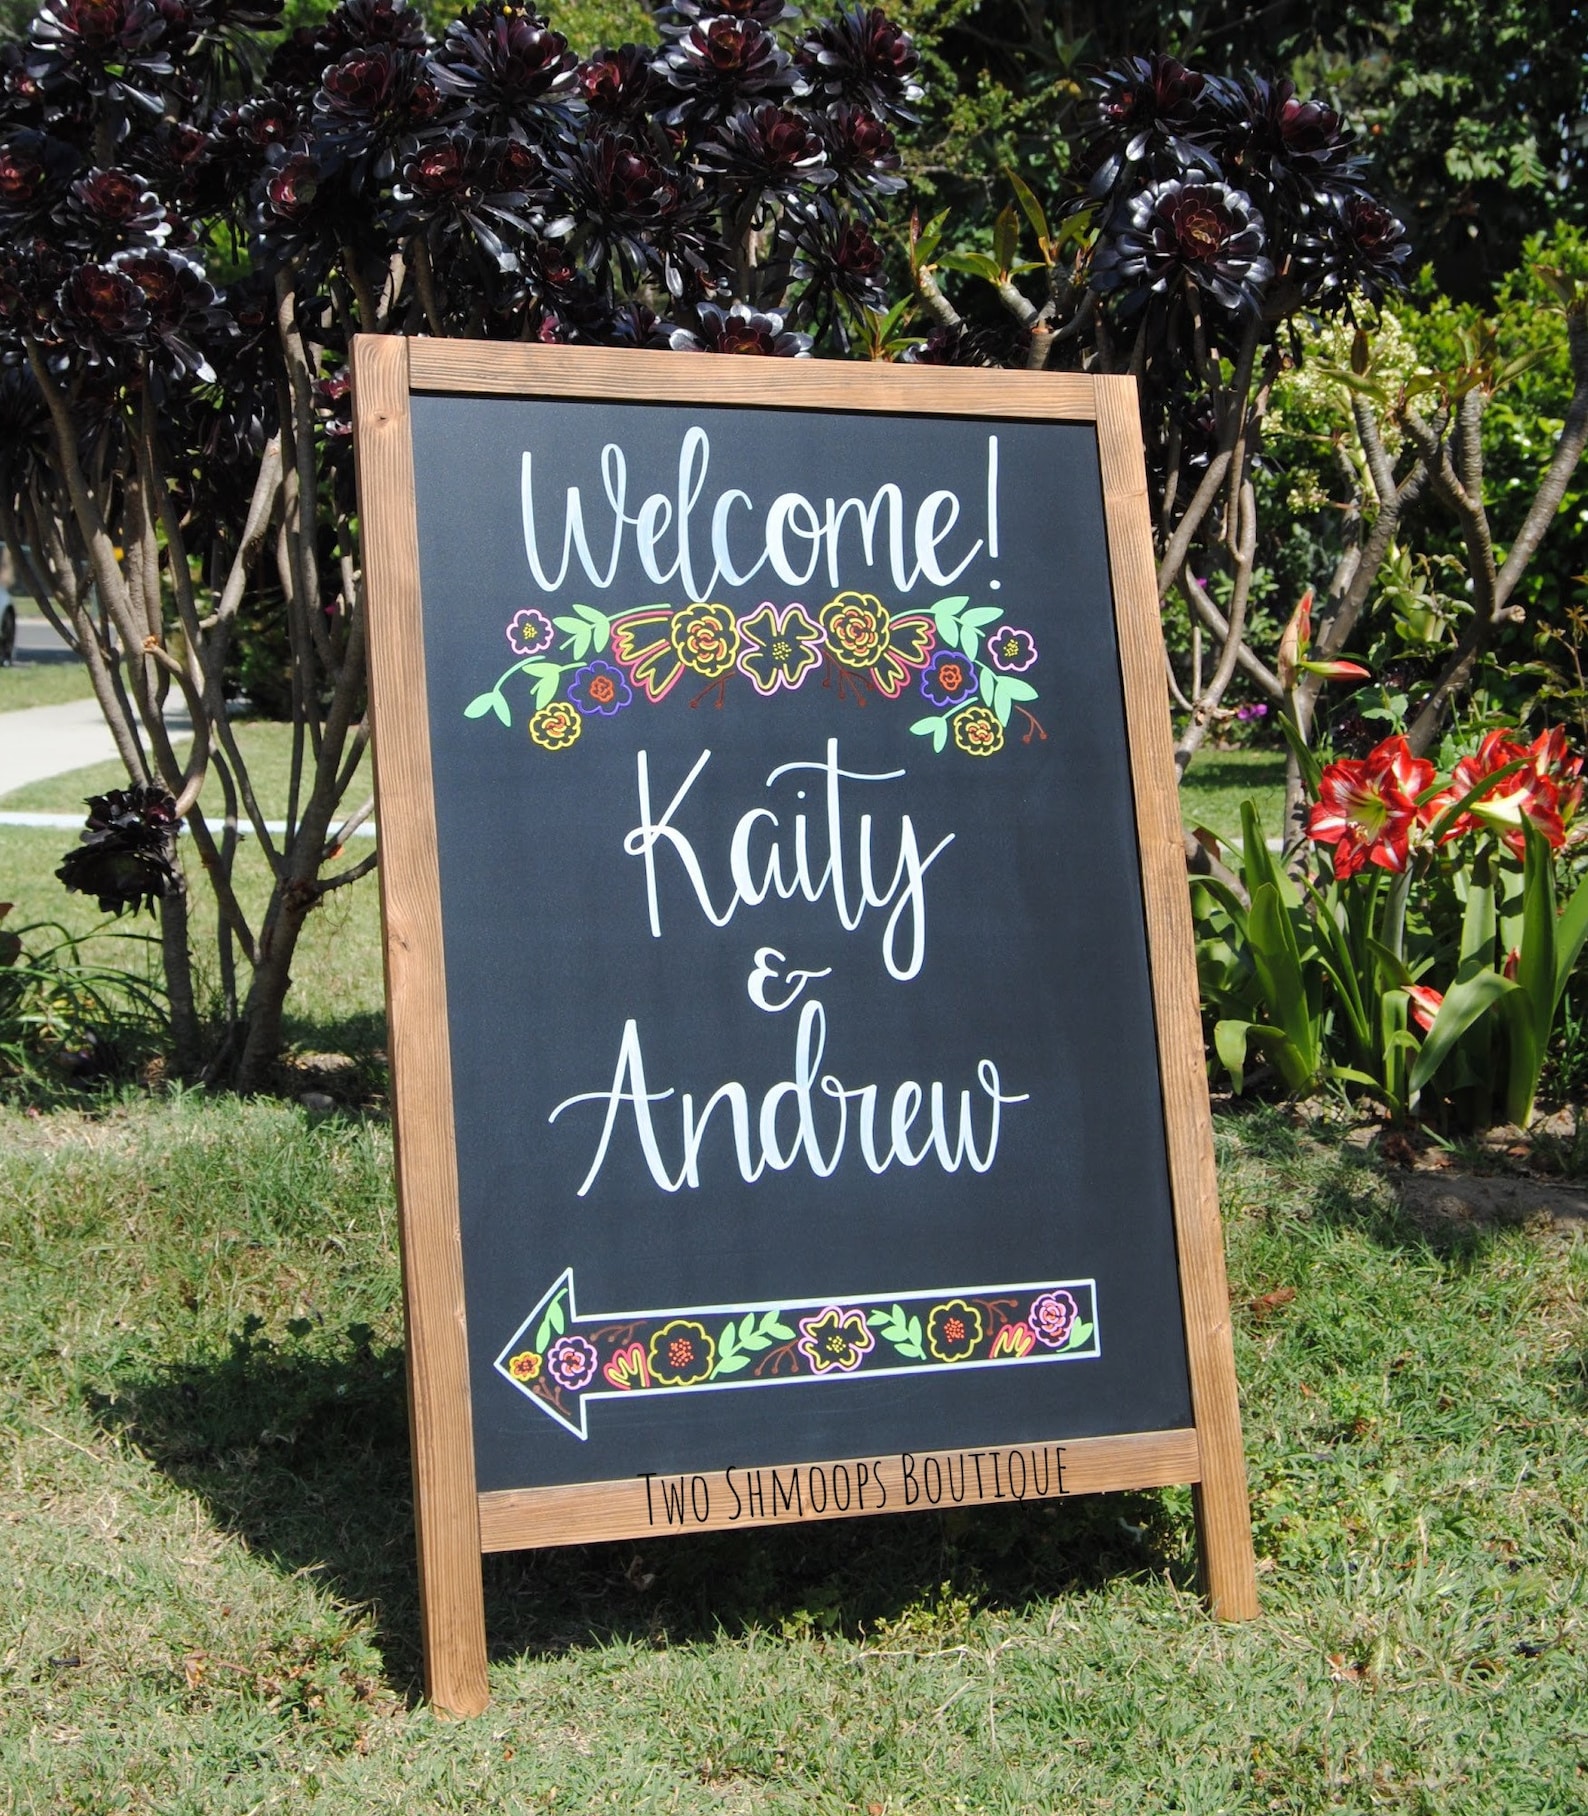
192 232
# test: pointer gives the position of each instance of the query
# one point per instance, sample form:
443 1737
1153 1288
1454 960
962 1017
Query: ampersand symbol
768 963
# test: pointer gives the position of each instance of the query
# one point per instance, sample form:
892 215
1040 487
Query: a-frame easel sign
799 1083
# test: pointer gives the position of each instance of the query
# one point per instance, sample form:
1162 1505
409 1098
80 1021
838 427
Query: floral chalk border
586 666
560 1366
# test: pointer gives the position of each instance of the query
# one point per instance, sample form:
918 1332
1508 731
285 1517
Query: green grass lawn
26 684
339 954
206 1542
208 1554
266 748
1213 788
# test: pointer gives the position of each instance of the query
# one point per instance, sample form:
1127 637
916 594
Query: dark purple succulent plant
111 48
1155 119
184 314
507 63
358 24
463 185
108 209
740 329
862 57
636 324
372 98
1350 244
681 14
1274 139
766 148
100 314
861 150
1202 233
35 170
128 850
837 261
719 65
619 86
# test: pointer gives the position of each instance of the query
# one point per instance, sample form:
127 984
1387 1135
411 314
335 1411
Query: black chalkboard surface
846 838
795 963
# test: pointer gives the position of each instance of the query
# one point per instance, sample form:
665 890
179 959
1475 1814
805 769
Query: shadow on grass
304 1455
1455 1212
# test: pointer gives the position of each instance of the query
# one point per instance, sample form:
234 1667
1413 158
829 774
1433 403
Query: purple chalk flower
949 679
1011 650
571 1362
1051 1318
530 633
600 688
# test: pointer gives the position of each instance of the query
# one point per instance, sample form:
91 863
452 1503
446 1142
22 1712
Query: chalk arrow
562 1360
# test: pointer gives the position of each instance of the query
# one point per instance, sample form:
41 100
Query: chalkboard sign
798 1077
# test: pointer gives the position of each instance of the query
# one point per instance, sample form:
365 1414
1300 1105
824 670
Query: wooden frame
455 1523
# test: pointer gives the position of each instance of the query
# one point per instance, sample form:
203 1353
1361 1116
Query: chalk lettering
771 1146
795 537
786 874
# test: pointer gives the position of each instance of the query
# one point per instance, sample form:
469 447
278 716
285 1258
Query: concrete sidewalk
44 741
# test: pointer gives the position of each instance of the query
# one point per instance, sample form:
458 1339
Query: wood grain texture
475 368
1223 1507
639 1507
445 1502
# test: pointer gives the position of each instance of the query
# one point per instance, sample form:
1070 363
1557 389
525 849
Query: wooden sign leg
1223 1513
1224 1520
446 1505
451 1581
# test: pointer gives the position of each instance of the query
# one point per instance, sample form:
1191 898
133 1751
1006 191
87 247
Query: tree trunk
186 1041
261 1040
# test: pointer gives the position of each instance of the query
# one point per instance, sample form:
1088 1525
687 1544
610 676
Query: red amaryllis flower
1294 643
1553 759
1533 793
1367 809
1205 232
1424 1004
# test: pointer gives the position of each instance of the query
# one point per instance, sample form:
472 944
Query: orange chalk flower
1367 809
525 1366
1012 1340
557 726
